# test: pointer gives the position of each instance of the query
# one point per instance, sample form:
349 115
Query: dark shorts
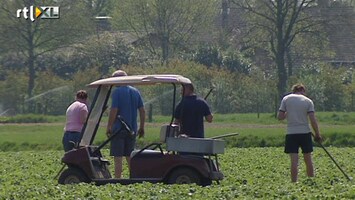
122 146
70 140
294 141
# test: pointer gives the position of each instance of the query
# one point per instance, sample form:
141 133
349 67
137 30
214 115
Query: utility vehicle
152 163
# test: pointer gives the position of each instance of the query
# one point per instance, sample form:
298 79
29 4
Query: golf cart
85 163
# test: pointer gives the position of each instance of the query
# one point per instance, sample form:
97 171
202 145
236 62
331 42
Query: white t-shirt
297 107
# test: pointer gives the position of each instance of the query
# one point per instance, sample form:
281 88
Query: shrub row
30 118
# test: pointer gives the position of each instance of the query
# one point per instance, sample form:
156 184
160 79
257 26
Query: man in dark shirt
190 112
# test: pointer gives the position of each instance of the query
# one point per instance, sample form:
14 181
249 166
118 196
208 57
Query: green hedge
31 118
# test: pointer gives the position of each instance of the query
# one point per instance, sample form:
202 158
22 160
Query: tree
31 39
340 27
163 26
208 55
12 95
108 51
279 23
99 7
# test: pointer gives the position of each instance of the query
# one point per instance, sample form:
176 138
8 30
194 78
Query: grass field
338 128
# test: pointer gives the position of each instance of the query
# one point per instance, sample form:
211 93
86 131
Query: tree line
250 51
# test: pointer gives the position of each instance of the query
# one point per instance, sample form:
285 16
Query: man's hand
318 138
108 133
140 132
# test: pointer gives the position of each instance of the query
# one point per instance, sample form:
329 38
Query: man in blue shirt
126 101
191 112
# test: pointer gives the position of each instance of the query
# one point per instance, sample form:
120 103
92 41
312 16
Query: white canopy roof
141 80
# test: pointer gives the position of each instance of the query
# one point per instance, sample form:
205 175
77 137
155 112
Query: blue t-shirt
127 100
191 112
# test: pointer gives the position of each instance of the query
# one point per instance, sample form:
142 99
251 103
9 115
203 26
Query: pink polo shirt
76 115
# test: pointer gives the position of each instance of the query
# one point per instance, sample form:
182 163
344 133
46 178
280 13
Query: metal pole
333 160
60 171
225 135
209 92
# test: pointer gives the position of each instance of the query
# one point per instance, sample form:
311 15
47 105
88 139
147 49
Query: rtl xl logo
43 12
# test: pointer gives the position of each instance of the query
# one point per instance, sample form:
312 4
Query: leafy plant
249 173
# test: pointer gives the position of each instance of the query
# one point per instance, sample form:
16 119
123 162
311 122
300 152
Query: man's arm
314 124
111 120
207 112
281 115
83 115
209 118
177 113
141 121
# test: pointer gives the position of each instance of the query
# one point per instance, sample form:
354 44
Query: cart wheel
72 176
184 176
206 182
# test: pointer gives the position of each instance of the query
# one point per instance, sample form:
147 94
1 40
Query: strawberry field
250 173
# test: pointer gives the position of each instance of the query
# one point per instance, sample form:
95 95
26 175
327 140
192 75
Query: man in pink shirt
75 118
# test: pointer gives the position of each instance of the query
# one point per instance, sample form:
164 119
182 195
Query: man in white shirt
297 109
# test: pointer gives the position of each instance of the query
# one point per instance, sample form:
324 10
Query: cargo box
195 145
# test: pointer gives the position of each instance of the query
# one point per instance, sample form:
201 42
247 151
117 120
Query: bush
30 118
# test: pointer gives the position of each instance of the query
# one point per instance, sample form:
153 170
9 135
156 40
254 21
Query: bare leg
128 159
118 167
294 166
309 164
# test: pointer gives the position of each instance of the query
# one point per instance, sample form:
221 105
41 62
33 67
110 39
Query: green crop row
250 173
